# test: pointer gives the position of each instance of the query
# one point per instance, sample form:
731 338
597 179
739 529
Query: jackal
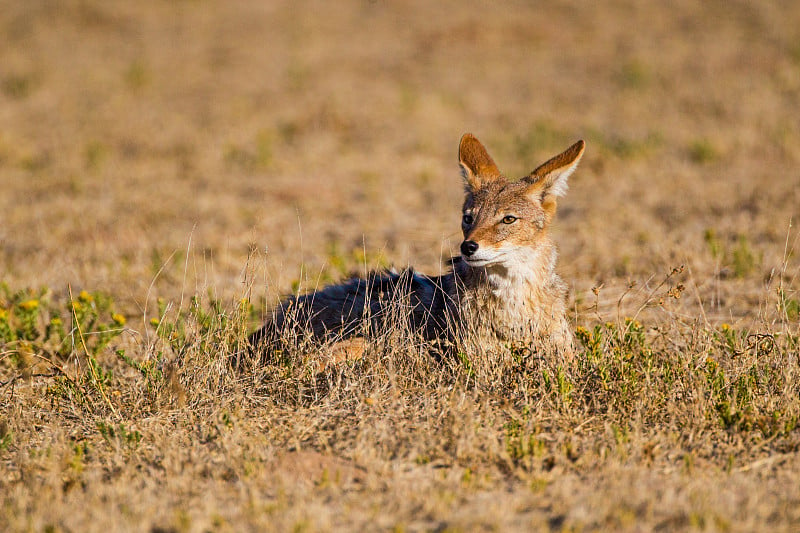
501 292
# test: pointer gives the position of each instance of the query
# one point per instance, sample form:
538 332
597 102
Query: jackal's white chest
500 315
512 309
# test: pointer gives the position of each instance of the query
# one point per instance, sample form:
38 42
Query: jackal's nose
468 248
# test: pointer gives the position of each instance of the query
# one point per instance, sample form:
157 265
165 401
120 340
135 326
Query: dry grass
175 158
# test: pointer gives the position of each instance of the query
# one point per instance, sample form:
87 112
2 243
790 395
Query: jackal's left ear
550 178
477 166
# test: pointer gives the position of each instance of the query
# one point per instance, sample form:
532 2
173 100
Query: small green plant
713 242
794 51
592 341
621 434
336 260
789 307
18 87
257 155
466 362
118 436
702 151
264 148
95 154
36 329
744 260
730 338
208 327
715 376
236 156
633 75
614 354
736 396
31 323
521 443
77 461
5 435
137 75
740 257
150 370
557 383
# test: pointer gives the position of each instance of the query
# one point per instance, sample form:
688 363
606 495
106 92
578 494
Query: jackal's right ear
549 180
551 177
477 166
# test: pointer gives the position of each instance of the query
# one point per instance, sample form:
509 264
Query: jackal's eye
509 219
467 220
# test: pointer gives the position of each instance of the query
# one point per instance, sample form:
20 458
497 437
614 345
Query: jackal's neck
522 301
525 276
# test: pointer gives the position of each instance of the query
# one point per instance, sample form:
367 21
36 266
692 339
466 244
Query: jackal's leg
341 352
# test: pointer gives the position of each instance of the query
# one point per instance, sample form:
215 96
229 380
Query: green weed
466 363
118 436
251 156
95 154
522 443
633 74
82 327
789 307
137 75
702 151
744 260
740 257
713 243
558 385
205 327
6 436
18 86
37 331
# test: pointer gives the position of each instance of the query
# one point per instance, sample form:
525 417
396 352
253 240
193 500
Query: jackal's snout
468 248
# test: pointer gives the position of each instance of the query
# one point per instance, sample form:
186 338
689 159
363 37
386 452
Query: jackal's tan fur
502 292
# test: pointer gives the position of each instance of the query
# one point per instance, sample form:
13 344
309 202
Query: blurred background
166 147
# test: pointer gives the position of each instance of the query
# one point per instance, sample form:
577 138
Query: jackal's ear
477 166
550 178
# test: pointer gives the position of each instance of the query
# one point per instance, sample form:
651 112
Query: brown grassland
170 169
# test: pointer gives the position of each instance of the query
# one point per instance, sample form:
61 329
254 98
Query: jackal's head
504 223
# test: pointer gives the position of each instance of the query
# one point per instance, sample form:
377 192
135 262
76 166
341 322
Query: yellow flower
29 305
85 297
77 306
725 327
118 319
154 322
3 314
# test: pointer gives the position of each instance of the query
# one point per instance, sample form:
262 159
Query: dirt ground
158 151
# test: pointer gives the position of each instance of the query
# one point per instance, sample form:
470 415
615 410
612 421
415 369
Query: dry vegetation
169 169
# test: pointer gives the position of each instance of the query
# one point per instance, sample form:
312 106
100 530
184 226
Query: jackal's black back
359 306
